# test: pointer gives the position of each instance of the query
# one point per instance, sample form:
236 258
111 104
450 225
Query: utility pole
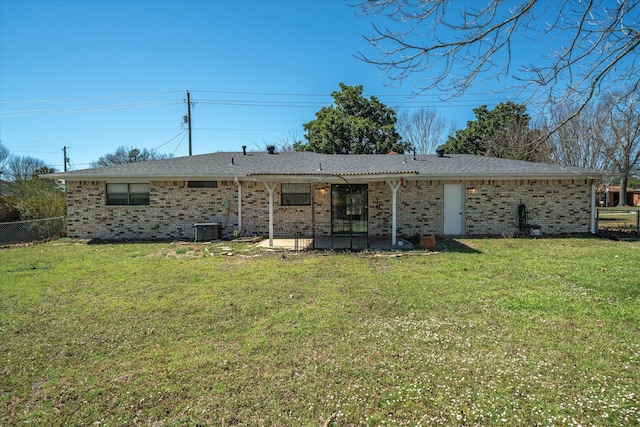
189 118
64 151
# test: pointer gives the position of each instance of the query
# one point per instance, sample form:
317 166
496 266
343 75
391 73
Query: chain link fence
618 221
30 231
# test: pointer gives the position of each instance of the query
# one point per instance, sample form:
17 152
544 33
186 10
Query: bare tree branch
452 46
603 135
425 129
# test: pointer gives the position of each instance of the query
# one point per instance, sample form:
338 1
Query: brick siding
490 208
558 207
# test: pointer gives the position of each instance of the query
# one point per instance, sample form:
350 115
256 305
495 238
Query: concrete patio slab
356 243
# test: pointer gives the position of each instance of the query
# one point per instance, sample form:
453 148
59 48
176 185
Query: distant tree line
124 154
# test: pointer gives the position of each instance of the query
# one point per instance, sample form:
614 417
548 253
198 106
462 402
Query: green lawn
486 332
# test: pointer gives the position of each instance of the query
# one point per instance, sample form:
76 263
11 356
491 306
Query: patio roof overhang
330 177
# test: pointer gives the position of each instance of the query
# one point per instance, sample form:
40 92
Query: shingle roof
228 165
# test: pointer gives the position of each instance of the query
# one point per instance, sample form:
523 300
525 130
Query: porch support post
394 185
593 207
270 187
239 184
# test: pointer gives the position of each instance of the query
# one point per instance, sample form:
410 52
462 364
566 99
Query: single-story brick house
283 194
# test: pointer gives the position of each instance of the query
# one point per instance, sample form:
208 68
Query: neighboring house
283 194
611 196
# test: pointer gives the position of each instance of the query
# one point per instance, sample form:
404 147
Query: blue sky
95 75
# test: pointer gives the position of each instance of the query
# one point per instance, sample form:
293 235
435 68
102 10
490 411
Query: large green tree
353 125
502 132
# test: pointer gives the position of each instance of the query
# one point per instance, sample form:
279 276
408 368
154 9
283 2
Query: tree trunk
622 199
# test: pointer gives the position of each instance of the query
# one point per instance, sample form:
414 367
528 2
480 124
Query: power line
262 93
88 98
242 129
239 99
184 134
287 104
230 103
405 95
165 143
87 109
294 104
76 136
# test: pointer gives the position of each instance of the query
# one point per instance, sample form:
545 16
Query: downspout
270 187
593 207
394 185
239 184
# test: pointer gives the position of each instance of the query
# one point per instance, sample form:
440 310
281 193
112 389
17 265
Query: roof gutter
137 178
312 177
439 177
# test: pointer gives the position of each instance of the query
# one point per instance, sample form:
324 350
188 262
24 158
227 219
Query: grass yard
488 332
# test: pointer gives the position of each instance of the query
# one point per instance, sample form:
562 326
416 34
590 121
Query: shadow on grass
457 246
625 234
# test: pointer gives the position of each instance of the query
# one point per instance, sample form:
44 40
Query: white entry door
453 209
